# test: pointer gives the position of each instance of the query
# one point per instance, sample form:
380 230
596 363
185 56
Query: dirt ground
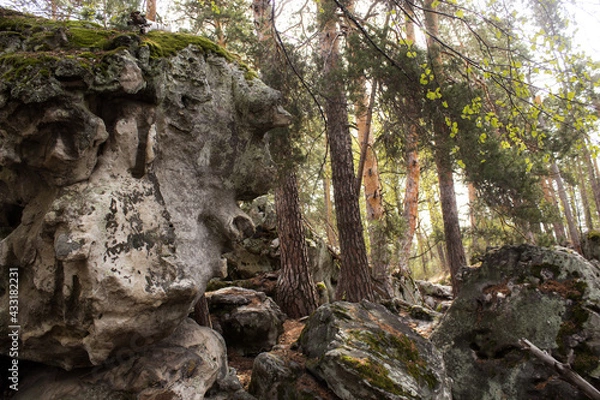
291 332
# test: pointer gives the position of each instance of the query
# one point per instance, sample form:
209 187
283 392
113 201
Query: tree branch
564 370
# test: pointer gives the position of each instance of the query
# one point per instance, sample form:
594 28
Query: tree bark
369 171
355 279
558 226
151 10
593 177
562 194
331 237
587 211
410 206
296 292
443 161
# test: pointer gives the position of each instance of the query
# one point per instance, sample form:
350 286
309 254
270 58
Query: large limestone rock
549 297
364 352
183 366
121 161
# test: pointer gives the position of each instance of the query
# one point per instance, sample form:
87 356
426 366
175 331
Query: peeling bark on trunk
151 10
355 278
410 206
413 168
369 171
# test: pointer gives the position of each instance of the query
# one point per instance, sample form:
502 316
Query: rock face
183 366
121 161
365 352
590 245
550 297
249 321
274 377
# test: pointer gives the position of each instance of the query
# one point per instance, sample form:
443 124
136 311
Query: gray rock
183 366
365 352
550 297
121 174
590 245
273 377
432 289
249 321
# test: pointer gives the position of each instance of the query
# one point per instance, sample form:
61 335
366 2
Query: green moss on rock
400 348
374 373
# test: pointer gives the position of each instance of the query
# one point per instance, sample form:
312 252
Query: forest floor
287 350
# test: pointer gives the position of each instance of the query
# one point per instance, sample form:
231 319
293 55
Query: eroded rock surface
249 321
121 161
363 351
549 297
183 366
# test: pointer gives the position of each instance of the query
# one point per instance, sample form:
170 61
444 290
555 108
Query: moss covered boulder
363 351
549 297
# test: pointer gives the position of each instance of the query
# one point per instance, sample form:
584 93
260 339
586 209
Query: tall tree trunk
331 237
369 172
562 194
296 292
355 278
443 161
593 177
410 206
550 196
151 10
589 221
423 251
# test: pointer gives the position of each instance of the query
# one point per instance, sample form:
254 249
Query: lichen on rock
122 159
549 297
364 351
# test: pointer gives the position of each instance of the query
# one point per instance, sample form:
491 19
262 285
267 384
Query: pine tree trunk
331 238
296 292
410 206
151 10
550 196
593 177
589 221
562 194
454 247
422 244
355 279
369 171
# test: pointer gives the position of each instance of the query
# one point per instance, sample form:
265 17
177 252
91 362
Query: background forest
424 131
